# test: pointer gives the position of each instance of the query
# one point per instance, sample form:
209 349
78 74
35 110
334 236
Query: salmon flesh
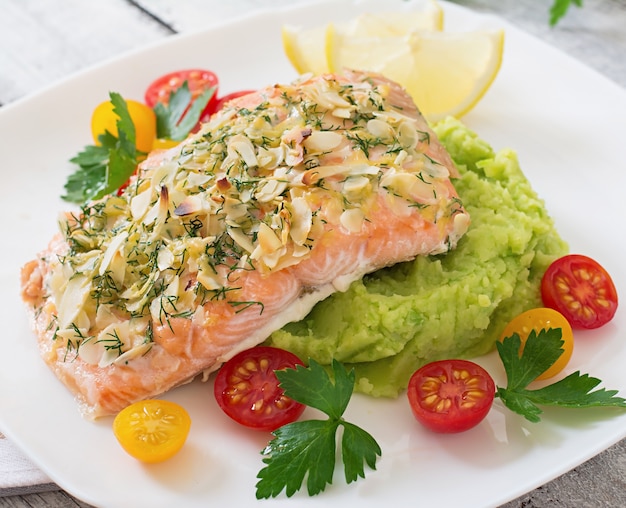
284 197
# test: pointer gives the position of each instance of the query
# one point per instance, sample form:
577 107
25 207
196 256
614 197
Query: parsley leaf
298 448
313 387
559 9
86 180
575 391
104 168
177 119
540 352
357 446
307 448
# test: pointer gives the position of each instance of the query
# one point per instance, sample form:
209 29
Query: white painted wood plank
43 41
194 15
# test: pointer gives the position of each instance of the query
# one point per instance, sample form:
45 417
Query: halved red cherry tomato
580 289
221 101
152 430
247 389
450 396
198 80
543 318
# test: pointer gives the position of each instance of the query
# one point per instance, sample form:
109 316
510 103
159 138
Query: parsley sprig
540 352
177 119
307 448
104 168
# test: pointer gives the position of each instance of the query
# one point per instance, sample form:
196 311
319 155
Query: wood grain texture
52 499
43 41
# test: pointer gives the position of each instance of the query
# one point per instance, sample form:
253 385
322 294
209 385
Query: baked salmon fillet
284 197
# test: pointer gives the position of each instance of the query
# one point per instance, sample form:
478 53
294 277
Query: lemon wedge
306 48
445 73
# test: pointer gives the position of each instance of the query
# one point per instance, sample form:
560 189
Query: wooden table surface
42 41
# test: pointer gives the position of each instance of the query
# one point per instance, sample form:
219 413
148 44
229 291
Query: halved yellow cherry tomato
164 143
152 430
104 119
539 319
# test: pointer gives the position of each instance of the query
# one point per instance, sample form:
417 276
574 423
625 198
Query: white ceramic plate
567 124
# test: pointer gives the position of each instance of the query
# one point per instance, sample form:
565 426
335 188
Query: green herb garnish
176 120
559 9
103 169
540 352
307 448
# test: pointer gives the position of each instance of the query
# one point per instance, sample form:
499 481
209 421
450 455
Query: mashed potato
454 305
